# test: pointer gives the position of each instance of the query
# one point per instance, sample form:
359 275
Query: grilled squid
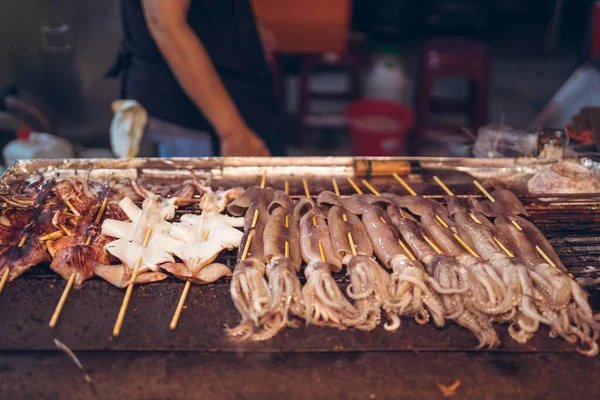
487 290
203 237
355 204
78 252
558 296
20 259
283 260
408 293
324 302
505 204
514 274
368 281
417 205
249 290
449 279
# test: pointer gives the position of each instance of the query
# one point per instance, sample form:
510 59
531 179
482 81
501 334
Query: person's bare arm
195 72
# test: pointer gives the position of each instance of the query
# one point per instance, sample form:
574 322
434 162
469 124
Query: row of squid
87 229
475 263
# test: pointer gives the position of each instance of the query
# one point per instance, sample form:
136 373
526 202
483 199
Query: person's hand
243 142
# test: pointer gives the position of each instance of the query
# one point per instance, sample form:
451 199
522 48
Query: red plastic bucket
378 127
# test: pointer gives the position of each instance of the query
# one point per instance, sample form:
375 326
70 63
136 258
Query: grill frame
575 242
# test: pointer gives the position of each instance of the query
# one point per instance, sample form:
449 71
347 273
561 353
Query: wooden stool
453 58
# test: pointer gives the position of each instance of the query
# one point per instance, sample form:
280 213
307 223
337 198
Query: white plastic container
32 145
386 78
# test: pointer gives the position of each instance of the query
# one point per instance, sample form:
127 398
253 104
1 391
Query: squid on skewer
449 279
249 290
23 250
283 261
128 247
557 295
369 282
78 252
324 302
408 292
488 292
203 237
514 274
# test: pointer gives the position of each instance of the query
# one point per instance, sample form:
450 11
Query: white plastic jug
32 145
386 78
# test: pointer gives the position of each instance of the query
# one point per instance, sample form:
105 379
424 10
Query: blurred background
362 77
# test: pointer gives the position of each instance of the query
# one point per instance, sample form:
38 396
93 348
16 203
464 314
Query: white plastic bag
497 141
127 127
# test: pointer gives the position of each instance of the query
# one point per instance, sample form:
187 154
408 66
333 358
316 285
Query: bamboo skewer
67 289
125 304
184 293
337 192
314 220
515 223
4 279
286 251
354 185
400 242
188 283
180 304
438 218
61 301
449 192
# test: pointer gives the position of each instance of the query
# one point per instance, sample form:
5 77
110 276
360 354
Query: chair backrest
306 26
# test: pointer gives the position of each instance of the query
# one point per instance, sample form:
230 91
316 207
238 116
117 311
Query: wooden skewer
336 188
73 209
286 252
52 236
65 229
400 242
337 192
184 293
449 192
306 191
404 184
125 304
61 302
370 187
67 289
443 186
314 220
22 241
437 217
515 223
180 305
354 185
432 244
4 279
263 180
188 283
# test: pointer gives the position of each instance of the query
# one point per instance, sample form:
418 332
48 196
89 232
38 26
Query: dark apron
146 78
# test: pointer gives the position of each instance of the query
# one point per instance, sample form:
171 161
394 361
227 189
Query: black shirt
227 29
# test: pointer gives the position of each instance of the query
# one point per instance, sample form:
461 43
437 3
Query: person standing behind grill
200 65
